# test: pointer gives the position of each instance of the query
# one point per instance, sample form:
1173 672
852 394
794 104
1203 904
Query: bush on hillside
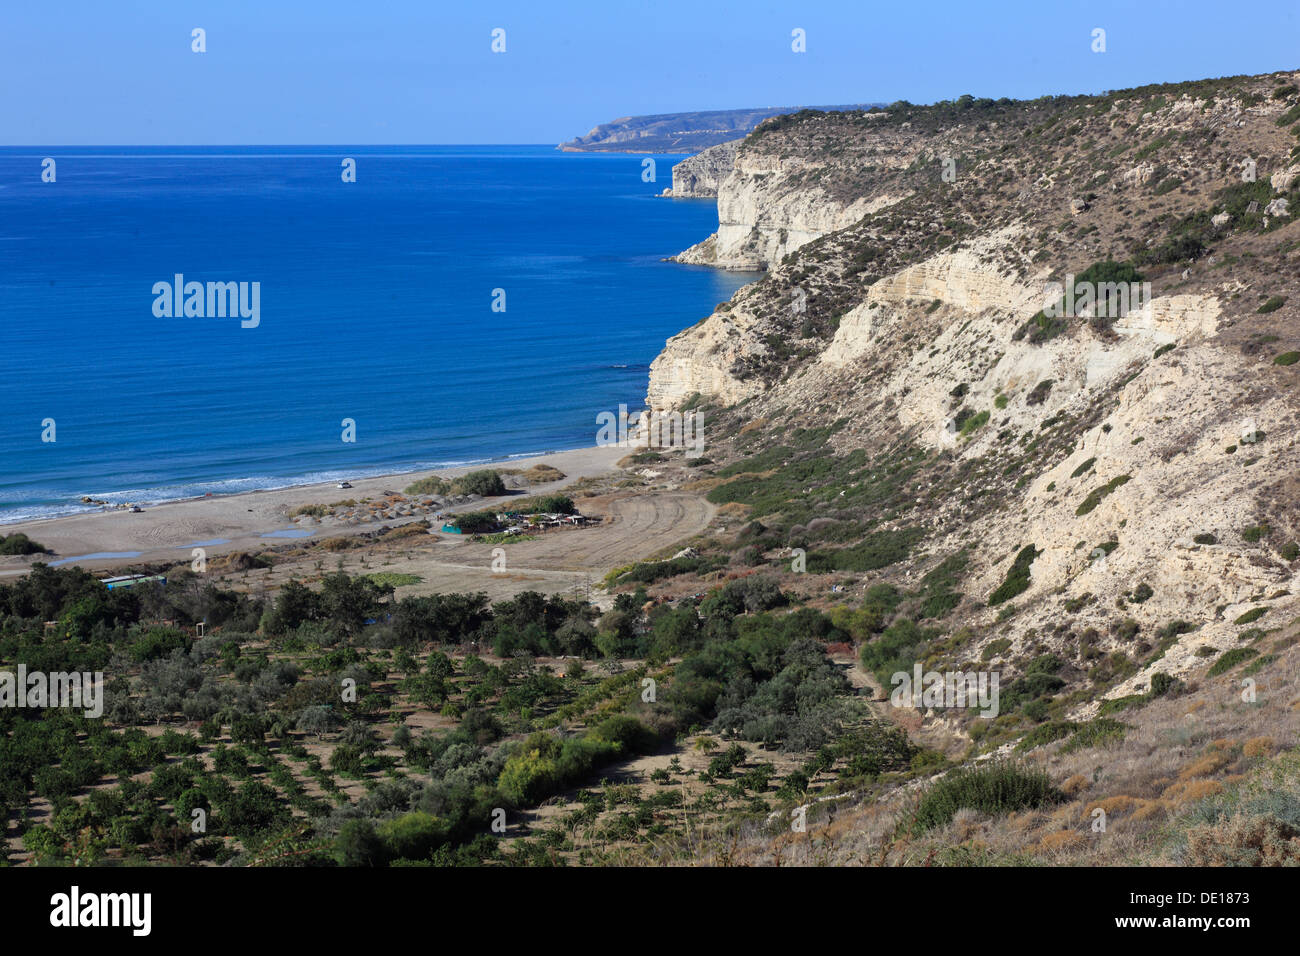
994 789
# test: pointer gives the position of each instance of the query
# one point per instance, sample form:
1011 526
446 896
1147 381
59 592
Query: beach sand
168 532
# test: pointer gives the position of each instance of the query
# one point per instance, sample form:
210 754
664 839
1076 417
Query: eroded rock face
767 208
1140 174
700 176
963 280
1155 403
699 361
1282 179
1278 207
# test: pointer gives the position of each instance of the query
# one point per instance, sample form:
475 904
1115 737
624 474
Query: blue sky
99 72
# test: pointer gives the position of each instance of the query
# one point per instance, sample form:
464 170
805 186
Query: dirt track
565 560
571 560
639 527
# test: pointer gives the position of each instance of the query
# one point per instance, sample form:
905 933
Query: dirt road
569 560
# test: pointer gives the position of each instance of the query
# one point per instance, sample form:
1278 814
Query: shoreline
253 520
118 501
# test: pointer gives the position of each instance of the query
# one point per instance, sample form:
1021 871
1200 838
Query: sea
416 307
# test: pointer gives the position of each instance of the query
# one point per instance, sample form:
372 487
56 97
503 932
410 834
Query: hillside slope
1115 494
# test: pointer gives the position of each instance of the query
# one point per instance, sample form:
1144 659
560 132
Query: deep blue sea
376 305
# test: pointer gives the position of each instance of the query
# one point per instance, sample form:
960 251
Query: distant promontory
678 132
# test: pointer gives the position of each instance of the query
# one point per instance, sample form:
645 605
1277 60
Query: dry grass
1114 806
1075 785
1211 763
1252 841
1186 791
539 474
1178 756
1259 747
408 530
703 486
1062 840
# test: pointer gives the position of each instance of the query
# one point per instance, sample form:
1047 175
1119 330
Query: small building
130 580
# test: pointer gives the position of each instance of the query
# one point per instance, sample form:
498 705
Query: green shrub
1162 683
975 422
1272 305
1084 468
394 579
878 550
994 648
547 504
1017 580
1097 494
627 732
1205 538
896 649
1230 659
994 789
1254 533
1287 358
1251 616
939 592
19 543
1290 116
1042 328
1074 605
1095 733
543 764
647 572
1045 734
1039 393
433 485
412 836
485 482
474 522
157 642
1116 704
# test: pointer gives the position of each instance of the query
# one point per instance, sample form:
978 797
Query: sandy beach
253 520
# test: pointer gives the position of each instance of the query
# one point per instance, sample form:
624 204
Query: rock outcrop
700 176
768 208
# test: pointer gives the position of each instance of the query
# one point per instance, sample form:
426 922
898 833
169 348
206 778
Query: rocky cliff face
912 257
700 176
767 209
